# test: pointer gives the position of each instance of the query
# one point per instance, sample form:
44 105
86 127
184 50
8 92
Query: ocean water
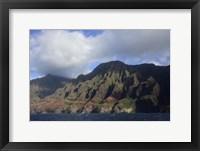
101 117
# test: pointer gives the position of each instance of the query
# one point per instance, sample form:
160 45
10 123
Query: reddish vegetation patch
111 99
48 105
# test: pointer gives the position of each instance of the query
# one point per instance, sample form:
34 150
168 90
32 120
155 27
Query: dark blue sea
101 117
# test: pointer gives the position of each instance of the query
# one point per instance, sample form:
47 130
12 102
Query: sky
69 53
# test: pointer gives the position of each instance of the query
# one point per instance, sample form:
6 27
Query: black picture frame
5 5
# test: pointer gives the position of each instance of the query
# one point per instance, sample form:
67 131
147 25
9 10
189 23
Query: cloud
68 54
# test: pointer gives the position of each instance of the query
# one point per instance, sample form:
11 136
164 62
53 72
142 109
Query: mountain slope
41 87
112 87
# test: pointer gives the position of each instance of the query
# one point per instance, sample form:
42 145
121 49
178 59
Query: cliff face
41 87
112 87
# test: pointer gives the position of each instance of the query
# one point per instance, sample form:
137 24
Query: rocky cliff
112 87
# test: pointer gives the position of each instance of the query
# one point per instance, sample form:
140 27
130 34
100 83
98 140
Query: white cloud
68 54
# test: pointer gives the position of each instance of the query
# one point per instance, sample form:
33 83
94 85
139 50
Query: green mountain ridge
112 87
46 85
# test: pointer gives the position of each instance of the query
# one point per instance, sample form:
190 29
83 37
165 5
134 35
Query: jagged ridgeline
112 87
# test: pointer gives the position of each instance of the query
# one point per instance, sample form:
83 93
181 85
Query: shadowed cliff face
41 87
112 87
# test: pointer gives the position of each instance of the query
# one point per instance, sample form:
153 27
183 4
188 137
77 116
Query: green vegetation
70 98
111 88
66 105
128 103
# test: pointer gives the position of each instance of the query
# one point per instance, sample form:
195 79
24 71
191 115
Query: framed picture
99 75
